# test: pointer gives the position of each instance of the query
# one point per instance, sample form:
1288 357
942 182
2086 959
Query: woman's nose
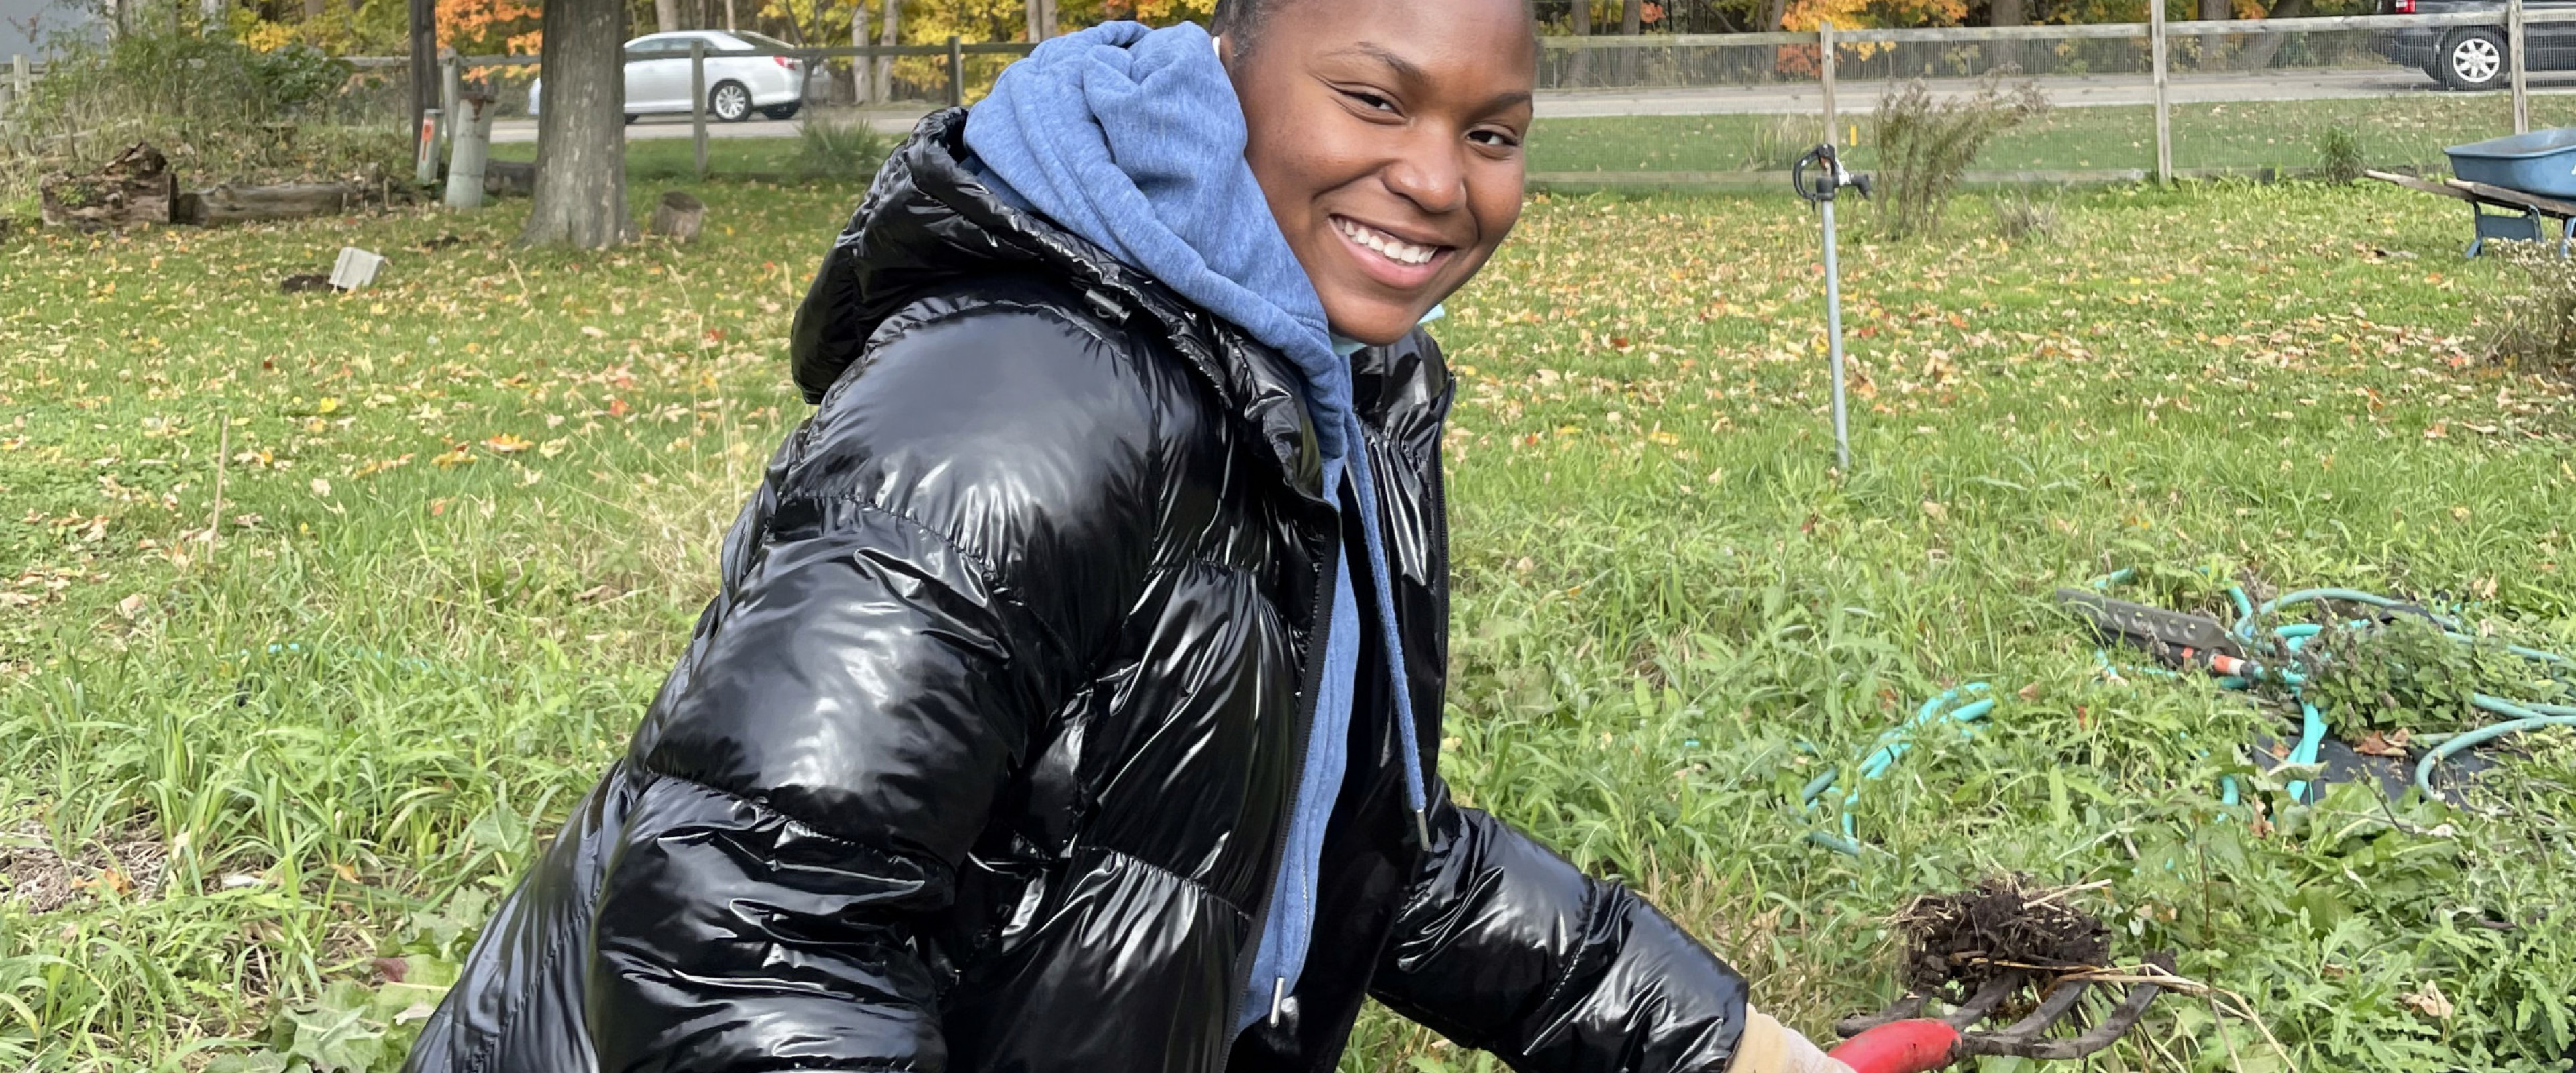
1430 177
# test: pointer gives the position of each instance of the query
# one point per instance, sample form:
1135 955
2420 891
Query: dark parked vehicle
2473 57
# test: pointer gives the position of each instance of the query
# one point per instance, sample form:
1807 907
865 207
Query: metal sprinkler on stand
1819 188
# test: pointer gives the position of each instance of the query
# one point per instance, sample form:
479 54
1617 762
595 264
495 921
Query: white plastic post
471 153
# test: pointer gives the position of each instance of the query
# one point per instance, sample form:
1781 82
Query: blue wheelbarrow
2520 188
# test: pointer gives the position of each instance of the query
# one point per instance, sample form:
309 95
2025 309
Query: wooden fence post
956 74
1825 76
2513 37
698 102
13 94
2164 104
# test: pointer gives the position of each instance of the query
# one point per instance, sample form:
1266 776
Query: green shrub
1925 145
2339 158
846 149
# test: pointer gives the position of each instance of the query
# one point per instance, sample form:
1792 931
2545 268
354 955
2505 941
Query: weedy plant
2019 217
1779 142
2534 311
2339 157
1925 144
2410 674
843 149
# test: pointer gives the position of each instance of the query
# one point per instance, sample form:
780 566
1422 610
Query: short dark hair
1242 19
1239 17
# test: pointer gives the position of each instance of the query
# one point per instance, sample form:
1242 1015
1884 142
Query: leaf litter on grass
1661 596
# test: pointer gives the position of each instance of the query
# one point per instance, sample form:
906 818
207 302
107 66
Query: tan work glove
1768 1047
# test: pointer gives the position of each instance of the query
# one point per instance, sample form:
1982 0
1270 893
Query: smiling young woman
1387 140
1071 699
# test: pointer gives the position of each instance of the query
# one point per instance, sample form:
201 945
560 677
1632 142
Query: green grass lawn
313 607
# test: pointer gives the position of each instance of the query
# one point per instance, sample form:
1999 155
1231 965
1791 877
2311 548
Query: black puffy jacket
982 757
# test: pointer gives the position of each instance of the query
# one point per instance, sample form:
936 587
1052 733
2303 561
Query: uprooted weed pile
1957 943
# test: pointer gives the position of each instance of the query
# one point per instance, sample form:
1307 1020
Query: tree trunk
581 135
666 15
2258 53
313 9
2007 54
1775 16
889 34
509 178
216 206
1041 19
2216 10
729 26
678 216
1632 21
424 61
860 77
1580 71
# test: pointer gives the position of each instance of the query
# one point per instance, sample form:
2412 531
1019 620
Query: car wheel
782 111
730 102
2472 59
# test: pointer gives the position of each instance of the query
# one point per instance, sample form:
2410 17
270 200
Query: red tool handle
1917 1046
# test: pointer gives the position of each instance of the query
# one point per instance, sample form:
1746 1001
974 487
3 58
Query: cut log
134 188
510 178
678 216
228 204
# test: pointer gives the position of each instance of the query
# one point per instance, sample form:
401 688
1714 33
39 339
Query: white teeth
1391 247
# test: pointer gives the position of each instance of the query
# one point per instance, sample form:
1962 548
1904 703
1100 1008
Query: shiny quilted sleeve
1503 946
956 533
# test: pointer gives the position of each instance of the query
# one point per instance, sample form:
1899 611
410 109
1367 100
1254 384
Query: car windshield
764 42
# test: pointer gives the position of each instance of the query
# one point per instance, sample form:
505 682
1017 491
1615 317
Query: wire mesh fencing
1664 109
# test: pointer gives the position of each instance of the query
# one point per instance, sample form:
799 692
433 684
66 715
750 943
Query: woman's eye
1495 138
1370 101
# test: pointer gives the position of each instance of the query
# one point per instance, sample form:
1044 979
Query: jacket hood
928 223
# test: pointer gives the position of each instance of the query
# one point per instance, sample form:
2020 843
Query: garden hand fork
1820 189
1900 1040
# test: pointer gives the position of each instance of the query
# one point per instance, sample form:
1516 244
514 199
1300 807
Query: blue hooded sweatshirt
1133 139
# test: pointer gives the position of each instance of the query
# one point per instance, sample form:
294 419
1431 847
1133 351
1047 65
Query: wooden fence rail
1831 44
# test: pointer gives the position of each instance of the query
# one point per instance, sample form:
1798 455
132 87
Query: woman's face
1386 135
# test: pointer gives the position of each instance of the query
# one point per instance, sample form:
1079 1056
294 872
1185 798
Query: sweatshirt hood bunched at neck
1133 139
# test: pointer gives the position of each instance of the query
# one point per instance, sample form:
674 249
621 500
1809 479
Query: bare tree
580 198
1041 19
1632 21
1582 68
666 15
889 36
859 75
2003 54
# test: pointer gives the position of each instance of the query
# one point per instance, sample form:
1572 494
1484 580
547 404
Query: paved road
2064 91
650 128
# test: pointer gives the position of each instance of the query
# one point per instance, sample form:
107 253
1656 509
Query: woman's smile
1389 258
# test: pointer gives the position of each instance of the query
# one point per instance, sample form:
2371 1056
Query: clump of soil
1957 943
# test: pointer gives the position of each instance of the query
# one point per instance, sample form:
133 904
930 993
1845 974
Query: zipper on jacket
1311 693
